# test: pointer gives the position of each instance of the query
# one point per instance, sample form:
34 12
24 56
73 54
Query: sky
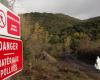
81 9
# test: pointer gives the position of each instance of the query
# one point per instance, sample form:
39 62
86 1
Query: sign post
11 59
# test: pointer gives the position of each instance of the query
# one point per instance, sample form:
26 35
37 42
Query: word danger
8 46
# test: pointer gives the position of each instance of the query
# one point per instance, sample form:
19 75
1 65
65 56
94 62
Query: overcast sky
82 9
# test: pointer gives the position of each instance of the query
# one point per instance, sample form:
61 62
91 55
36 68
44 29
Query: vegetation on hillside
50 38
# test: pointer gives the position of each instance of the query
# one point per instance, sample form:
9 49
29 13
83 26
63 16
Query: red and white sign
9 22
10 57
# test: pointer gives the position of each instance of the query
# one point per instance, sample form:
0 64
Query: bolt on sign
10 57
9 23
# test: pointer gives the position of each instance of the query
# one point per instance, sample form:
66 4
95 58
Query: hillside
59 47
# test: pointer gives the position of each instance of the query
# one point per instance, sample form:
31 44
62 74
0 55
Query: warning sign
9 22
13 24
10 57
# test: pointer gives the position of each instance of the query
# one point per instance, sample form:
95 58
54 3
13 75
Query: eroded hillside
59 47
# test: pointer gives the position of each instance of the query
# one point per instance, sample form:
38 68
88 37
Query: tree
8 3
5 2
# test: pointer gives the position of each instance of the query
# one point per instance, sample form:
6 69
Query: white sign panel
9 23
